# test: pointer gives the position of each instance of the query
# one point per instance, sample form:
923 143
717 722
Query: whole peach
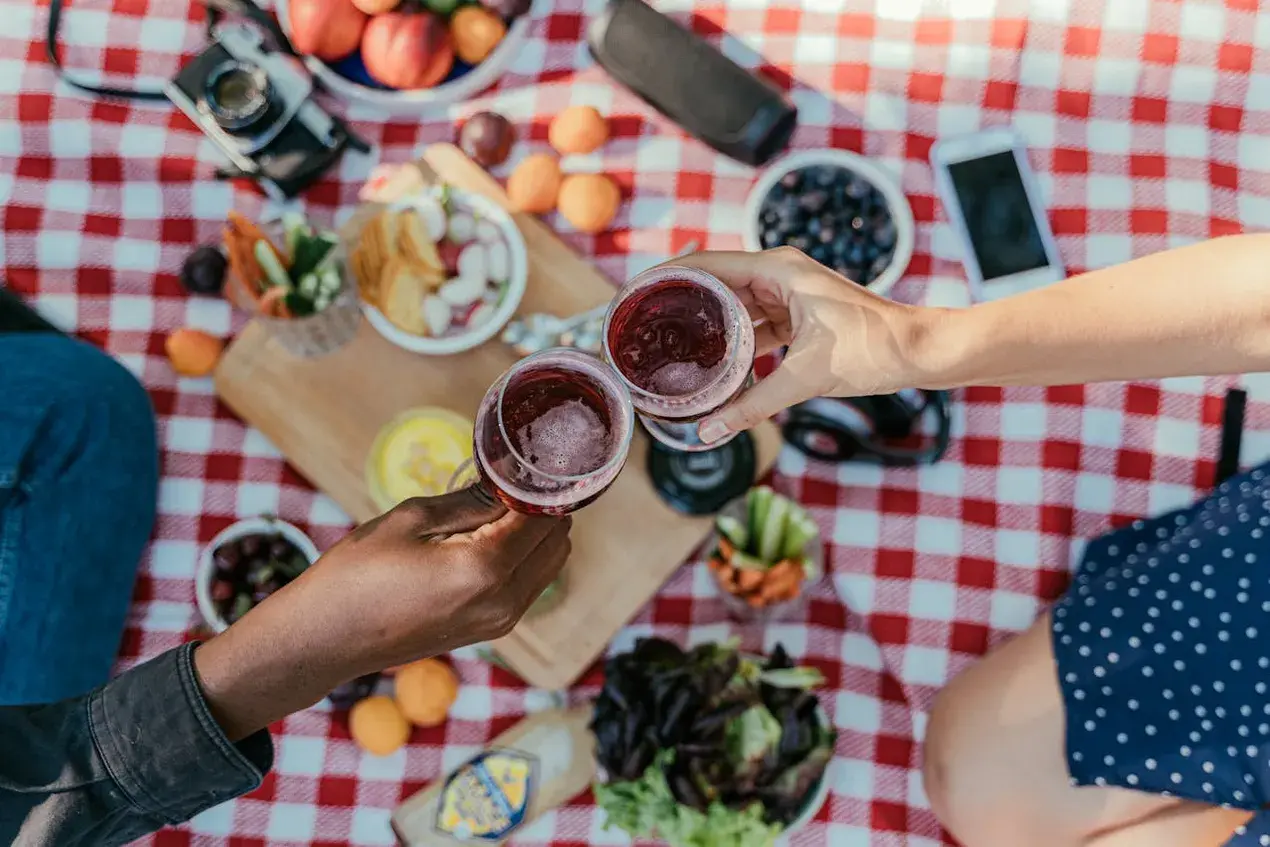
407 49
326 29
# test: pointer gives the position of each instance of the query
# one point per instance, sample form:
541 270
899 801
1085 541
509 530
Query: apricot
425 691
578 129
535 183
193 352
589 201
378 726
476 32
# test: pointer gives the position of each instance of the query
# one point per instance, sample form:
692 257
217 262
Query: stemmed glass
551 434
683 343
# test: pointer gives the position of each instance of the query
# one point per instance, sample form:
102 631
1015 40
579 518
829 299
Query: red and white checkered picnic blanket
1149 125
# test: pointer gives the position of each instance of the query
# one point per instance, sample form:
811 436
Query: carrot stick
749 579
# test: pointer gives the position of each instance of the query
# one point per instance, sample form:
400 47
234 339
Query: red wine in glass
553 432
683 343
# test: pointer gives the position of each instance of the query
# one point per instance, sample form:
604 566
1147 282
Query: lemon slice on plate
416 455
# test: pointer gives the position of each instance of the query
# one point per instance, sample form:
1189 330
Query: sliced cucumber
768 543
275 273
799 531
295 227
759 500
746 562
329 281
733 530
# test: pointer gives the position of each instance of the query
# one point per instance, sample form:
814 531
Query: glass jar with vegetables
294 280
767 554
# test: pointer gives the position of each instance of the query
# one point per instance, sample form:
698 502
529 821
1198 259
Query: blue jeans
78 479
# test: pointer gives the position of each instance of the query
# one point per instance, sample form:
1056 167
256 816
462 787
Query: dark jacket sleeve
140 752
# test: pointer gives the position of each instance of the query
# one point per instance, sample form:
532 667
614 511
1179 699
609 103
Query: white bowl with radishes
488 267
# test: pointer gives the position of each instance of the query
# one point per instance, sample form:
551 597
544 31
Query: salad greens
708 748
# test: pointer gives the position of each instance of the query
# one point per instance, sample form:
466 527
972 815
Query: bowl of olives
840 209
247 562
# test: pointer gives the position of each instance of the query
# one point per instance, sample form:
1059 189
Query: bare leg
996 771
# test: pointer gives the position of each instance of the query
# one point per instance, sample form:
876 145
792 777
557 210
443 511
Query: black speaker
685 78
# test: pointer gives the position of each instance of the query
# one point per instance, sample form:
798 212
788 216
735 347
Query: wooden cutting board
324 414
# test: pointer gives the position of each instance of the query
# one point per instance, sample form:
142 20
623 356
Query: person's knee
939 776
97 423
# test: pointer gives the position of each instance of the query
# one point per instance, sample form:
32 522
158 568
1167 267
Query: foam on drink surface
567 439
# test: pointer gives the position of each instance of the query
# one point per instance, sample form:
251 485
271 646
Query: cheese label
487 798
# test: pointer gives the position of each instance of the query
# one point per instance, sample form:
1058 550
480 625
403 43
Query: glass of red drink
683 343
551 434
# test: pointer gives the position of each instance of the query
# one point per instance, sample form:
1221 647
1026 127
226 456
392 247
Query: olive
507 9
280 548
250 546
226 558
487 137
204 271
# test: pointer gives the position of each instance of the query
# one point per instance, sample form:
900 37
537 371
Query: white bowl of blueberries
840 209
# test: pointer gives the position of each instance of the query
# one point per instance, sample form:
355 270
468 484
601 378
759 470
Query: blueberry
820 253
856 254
770 238
792 180
880 264
884 235
799 242
858 188
857 223
813 227
828 235
768 217
827 176
814 201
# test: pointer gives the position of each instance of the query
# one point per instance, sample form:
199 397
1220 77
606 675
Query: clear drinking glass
313 335
551 434
683 343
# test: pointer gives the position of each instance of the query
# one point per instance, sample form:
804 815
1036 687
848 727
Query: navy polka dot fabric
1163 649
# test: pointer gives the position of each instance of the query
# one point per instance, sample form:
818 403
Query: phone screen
994 204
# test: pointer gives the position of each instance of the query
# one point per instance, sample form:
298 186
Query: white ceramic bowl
413 101
517 280
233 532
896 202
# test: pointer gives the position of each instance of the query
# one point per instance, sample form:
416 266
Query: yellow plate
416 454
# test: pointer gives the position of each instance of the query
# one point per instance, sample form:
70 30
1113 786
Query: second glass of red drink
683 343
551 434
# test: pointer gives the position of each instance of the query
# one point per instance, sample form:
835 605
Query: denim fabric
109 767
78 480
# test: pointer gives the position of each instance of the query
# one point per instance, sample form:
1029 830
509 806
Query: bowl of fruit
247 562
440 271
766 554
840 209
403 55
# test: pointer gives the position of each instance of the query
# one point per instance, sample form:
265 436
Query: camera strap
215 10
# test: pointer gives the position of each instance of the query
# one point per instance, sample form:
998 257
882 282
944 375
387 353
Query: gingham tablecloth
1149 125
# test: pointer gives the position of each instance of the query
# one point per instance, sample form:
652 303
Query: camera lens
237 94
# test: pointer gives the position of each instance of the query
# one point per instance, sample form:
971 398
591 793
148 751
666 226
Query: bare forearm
1198 310
265 667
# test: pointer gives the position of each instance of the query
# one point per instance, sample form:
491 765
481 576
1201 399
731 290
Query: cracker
416 244
403 290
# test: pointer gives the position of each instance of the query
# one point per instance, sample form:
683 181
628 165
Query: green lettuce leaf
646 808
750 735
